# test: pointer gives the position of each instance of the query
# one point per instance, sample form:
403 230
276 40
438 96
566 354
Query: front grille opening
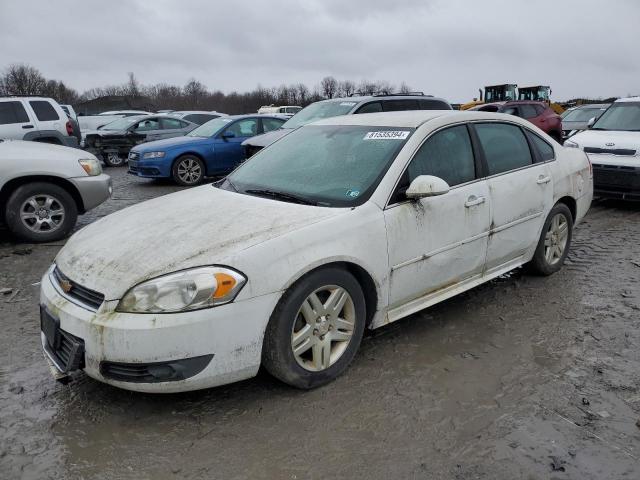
89 298
169 371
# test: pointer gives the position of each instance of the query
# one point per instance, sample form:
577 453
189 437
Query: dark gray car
577 119
346 106
114 140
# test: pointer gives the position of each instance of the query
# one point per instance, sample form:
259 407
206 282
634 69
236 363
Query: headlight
91 166
153 155
192 289
570 144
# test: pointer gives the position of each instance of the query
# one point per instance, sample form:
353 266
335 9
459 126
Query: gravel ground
523 377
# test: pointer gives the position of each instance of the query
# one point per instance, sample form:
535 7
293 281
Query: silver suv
43 188
346 106
37 119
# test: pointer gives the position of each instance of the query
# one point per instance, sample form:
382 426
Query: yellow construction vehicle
539 93
493 93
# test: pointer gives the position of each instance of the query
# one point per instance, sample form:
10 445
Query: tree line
22 79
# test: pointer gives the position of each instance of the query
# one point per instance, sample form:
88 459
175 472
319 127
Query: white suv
38 119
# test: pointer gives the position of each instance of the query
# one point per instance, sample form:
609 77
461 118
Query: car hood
169 143
19 150
600 139
195 227
268 138
574 125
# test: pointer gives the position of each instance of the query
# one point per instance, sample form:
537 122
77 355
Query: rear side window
528 111
545 150
434 105
399 105
269 124
199 118
505 147
539 109
370 108
12 112
172 124
44 110
447 154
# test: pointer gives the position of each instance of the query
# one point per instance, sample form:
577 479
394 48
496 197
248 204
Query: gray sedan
44 187
577 118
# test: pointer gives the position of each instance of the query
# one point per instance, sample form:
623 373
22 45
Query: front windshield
208 129
622 116
583 114
327 165
120 124
319 110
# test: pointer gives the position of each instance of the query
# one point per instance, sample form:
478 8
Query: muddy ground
524 377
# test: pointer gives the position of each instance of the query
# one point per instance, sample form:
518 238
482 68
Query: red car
538 113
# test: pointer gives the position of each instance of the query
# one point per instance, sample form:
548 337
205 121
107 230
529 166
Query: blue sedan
212 149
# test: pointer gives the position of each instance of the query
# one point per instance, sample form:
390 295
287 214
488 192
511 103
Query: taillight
69 128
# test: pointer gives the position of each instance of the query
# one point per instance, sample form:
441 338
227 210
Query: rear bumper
93 190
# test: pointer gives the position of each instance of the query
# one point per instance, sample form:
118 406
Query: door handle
27 126
473 201
542 180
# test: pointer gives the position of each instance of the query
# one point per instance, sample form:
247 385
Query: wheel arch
191 153
14 183
571 203
370 289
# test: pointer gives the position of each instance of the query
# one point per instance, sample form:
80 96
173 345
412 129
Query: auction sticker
387 135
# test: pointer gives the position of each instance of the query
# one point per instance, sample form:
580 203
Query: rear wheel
316 329
554 242
40 212
188 170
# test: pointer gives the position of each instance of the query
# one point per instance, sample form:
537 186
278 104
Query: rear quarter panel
572 177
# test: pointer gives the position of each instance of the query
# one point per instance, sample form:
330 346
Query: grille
126 372
83 295
611 151
70 352
169 371
616 177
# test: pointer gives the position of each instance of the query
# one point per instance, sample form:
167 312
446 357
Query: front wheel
554 242
316 329
113 159
40 212
188 171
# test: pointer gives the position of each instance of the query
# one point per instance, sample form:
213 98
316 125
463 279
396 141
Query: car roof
591 105
525 102
364 98
406 118
629 99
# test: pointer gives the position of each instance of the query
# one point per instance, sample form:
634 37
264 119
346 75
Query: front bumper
620 181
230 335
93 190
150 168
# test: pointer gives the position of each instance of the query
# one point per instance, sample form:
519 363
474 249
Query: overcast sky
448 48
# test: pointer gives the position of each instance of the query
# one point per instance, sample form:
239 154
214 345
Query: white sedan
345 224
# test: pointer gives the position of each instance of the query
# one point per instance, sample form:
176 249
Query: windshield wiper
287 197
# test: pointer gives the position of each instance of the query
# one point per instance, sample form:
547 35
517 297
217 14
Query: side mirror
426 186
592 120
226 135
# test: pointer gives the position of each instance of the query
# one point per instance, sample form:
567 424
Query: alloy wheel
323 328
42 213
555 241
189 170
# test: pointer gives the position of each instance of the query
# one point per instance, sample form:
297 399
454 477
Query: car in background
288 110
538 113
612 143
577 119
114 141
214 148
347 106
38 119
43 188
68 109
126 113
197 117
344 225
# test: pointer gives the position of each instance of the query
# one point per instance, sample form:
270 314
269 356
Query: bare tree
329 86
194 92
404 88
303 93
133 87
21 79
347 88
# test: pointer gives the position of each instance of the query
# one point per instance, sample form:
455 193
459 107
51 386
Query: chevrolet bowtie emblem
65 285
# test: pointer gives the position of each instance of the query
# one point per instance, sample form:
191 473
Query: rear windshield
583 114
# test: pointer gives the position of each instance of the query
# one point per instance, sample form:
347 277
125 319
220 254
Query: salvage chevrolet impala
345 224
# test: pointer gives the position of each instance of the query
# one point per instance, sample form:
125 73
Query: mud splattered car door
521 193
437 242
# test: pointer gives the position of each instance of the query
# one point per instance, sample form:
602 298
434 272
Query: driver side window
447 154
244 128
147 125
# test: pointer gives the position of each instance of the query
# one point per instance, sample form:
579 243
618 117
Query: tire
113 159
326 343
188 170
40 212
546 261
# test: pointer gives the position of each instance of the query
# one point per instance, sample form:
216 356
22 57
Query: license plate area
50 326
66 351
